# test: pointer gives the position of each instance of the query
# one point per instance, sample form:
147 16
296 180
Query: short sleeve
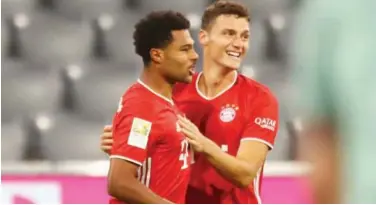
263 123
133 131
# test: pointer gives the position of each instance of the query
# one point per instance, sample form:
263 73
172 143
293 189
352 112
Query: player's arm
132 133
254 147
124 185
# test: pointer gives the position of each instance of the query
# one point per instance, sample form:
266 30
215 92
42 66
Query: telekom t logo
30 193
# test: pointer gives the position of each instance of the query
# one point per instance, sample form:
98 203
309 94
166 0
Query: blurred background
65 64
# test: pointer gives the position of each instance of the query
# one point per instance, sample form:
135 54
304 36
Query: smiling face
227 40
225 33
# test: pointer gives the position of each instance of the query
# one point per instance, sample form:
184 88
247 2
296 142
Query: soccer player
233 120
150 157
335 62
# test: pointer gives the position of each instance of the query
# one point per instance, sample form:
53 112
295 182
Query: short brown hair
223 7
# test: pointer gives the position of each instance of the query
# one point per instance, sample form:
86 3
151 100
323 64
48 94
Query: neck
215 78
156 82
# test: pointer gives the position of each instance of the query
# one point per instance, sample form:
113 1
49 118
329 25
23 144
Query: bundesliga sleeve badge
139 134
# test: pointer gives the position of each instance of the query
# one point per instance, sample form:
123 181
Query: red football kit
146 133
246 110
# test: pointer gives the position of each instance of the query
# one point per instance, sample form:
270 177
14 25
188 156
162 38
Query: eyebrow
233 30
188 45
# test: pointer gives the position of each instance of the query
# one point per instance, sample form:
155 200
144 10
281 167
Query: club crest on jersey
228 112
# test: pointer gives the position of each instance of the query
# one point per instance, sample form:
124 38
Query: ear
156 55
203 37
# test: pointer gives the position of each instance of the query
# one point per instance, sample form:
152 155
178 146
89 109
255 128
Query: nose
194 55
237 42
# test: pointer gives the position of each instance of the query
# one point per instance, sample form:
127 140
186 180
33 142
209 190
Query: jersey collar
220 93
155 93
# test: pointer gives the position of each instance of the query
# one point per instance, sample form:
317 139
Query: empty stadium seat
185 7
9 7
281 150
28 88
13 140
67 137
95 89
264 8
4 39
88 9
45 38
114 38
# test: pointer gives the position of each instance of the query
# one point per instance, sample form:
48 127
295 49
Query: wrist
210 147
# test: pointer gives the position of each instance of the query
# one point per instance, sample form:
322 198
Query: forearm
235 170
132 191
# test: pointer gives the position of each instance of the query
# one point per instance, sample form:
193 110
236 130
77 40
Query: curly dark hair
223 7
154 31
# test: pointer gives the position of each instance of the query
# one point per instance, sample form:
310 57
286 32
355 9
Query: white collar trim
155 93
220 93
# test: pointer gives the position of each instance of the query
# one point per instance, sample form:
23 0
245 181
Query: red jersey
246 110
146 133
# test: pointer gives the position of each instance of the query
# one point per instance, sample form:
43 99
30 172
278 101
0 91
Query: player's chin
188 79
184 79
232 65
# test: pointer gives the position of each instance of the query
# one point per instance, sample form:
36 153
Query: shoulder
256 91
137 101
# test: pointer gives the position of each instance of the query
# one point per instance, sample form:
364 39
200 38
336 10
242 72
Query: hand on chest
223 123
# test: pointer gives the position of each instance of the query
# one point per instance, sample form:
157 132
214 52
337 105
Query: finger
106 148
183 119
107 135
108 142
182 123
107 128
193 143
189 134
189 123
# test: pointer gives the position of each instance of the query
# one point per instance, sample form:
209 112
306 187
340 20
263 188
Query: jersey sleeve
263 123
133 131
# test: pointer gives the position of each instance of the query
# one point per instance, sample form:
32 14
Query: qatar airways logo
266 123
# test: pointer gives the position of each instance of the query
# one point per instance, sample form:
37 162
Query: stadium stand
67 62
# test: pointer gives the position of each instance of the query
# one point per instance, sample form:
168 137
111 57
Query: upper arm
263 124
121 171
259 134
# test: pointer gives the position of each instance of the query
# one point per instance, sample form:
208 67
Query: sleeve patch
139 134
266 123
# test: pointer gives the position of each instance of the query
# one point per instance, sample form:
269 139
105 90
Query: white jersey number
184 154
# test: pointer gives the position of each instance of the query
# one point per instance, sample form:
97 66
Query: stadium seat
281 150
185 7
28 88
10 7
67 137
264 8
45 38
4 39
88 9
13 140
95 89
114 38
